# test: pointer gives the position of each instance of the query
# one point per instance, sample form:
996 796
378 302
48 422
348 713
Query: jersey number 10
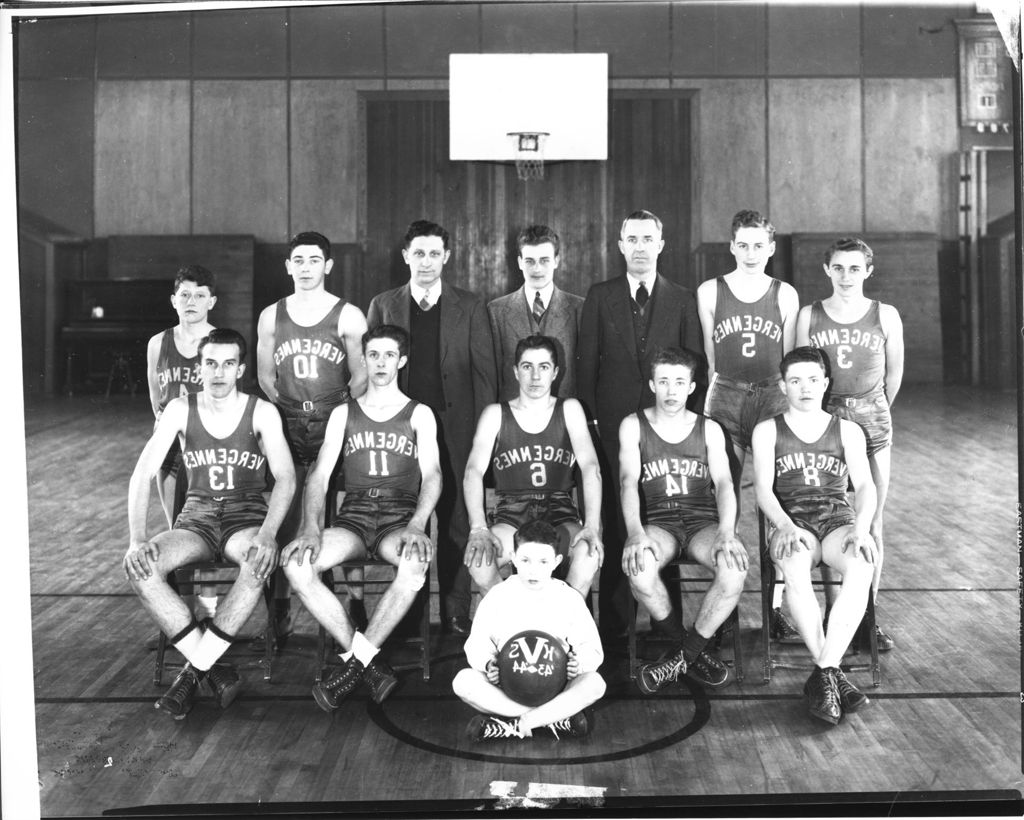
304 367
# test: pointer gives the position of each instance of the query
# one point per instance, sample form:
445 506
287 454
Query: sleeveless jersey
532 462
748 335
217 467
856 350
380 454
675 472
809 471
177 375
310 361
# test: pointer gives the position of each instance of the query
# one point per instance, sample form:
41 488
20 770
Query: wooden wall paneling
143 45
814 155
230 257
911 40
420 37
704 38
904 178
240 158
805 39
635 35
323 158
142 157
55 47
336 41
999 363
251 42
537 27
906 276
732 125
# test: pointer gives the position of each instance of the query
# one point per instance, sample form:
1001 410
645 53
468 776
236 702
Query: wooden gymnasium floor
947 717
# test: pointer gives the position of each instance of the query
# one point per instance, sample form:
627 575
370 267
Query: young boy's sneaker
491 727
577 725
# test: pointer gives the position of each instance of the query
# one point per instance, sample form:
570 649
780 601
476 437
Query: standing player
804 460
388 446
227 440
749 323
625 320
678 459
451 370
538 307
531 599
532 444
309 360
172 370
863 340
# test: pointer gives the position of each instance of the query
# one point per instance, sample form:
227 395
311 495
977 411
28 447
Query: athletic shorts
819 516
172 461
372 518
871 413
305 434
738 406
215 520
682 520
515 509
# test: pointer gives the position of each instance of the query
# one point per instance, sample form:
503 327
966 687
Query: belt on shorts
534 496
742 385
324 404
376 492
856 401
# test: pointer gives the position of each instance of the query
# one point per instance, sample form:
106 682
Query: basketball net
528 150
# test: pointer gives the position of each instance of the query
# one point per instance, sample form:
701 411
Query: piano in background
107 325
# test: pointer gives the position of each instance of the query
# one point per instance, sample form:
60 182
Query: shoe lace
831 692
562 725
183 685
496 727
667 670
348 677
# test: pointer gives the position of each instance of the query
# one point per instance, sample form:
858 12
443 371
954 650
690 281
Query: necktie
424 302
538 307
642 295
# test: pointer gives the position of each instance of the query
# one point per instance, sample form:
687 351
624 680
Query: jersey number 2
749 348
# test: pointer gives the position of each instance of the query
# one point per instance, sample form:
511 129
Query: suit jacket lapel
519 315
558 312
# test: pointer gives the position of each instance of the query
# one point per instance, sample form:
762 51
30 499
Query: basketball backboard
563 95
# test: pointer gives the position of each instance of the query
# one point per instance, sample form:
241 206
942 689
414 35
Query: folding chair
768 582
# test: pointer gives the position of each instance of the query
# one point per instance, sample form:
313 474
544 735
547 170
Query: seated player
803 462
388 446
531 599
532 444
228 439
172 370
678 459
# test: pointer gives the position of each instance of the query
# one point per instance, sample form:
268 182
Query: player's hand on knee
413 543
862 543
262 556
572 665
492 672
788 539
482 548
633 553
298 548
593 542
140 559
731 550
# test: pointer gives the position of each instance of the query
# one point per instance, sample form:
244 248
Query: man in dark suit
625 320
451 370
539 307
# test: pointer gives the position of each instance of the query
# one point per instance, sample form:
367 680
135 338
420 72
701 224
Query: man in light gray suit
451 370
539 307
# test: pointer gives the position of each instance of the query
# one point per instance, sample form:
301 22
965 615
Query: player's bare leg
164 605
583 565
724 593
410 575
880 463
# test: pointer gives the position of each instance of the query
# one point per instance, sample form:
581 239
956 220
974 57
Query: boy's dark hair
640 214
537 235
393 332
311 238
752 219
424 227
198 274
676 355
537 531
223 336
803 354
537 342
850 243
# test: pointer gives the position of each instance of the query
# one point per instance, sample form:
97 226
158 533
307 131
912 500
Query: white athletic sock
345 656
210 648
363 649
189 645
206 606
777 595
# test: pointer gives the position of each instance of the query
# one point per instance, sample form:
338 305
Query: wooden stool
768 582
183 577
733 621
422 599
